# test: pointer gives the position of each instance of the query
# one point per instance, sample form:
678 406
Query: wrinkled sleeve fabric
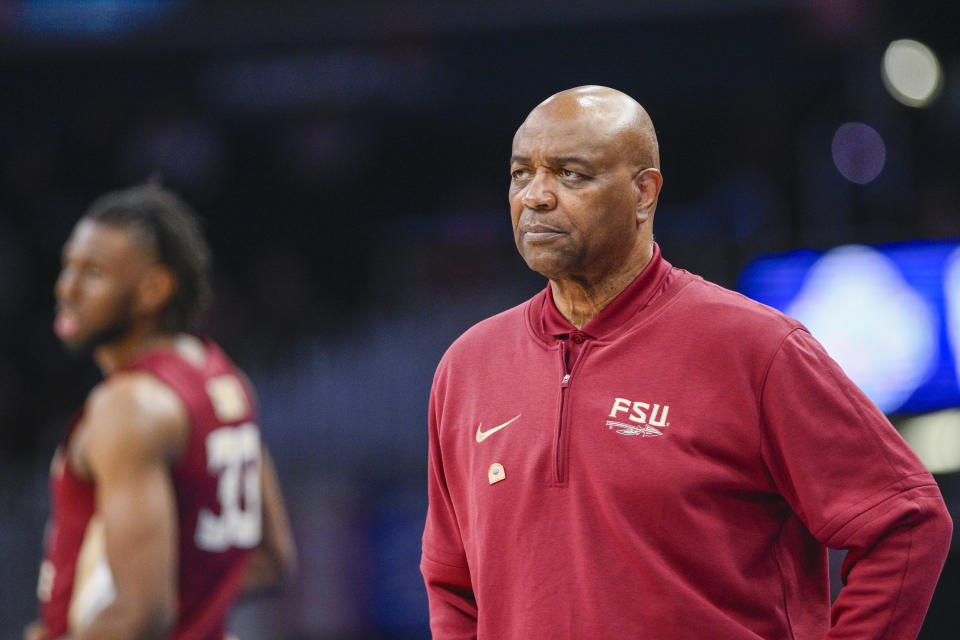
856 485
453 607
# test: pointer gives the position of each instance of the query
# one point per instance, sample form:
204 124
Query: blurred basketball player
165 504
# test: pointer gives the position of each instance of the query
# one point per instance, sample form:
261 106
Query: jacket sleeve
855 483
453 607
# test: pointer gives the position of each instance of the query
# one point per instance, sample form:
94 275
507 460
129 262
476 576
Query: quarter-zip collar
547 320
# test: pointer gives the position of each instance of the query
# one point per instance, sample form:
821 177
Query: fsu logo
631 418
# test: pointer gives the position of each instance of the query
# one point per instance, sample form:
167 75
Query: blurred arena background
350 161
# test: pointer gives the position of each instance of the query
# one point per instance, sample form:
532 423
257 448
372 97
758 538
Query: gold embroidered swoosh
483 435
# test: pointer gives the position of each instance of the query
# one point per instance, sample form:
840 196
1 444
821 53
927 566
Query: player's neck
579 300
113 355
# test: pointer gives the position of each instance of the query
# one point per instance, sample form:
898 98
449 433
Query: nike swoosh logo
483 435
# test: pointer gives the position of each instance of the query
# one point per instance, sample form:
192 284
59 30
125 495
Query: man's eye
567 174
519 174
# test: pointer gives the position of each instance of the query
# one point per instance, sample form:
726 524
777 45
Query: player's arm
135 426
274 560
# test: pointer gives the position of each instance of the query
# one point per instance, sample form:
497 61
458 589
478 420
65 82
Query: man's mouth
65 324
537 232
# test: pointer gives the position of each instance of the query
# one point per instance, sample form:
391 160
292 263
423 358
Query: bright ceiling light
857 303
912 73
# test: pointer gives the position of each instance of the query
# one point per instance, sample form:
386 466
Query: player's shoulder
137 392
209 355
189 367
224 380
134 409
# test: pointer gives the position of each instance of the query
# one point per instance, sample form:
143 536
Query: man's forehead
100 240
564 117
563 137
584 115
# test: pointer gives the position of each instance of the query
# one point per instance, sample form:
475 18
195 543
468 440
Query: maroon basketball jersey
217 483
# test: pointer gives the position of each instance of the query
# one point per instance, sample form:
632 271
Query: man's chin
79 349
550 265
85 347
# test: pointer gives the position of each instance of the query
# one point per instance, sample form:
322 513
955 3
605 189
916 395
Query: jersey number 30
233 455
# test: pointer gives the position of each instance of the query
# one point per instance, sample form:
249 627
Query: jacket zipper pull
563 362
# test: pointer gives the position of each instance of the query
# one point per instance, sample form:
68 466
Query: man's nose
539 193
65 285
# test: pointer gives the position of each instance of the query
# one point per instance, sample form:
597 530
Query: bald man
638 453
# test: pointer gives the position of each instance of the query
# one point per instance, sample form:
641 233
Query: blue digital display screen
888 314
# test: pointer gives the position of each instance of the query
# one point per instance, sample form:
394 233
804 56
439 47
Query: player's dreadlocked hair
167 224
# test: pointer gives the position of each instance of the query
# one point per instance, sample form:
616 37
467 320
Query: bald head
606 113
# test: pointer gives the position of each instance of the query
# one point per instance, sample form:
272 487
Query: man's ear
156 289
649 182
